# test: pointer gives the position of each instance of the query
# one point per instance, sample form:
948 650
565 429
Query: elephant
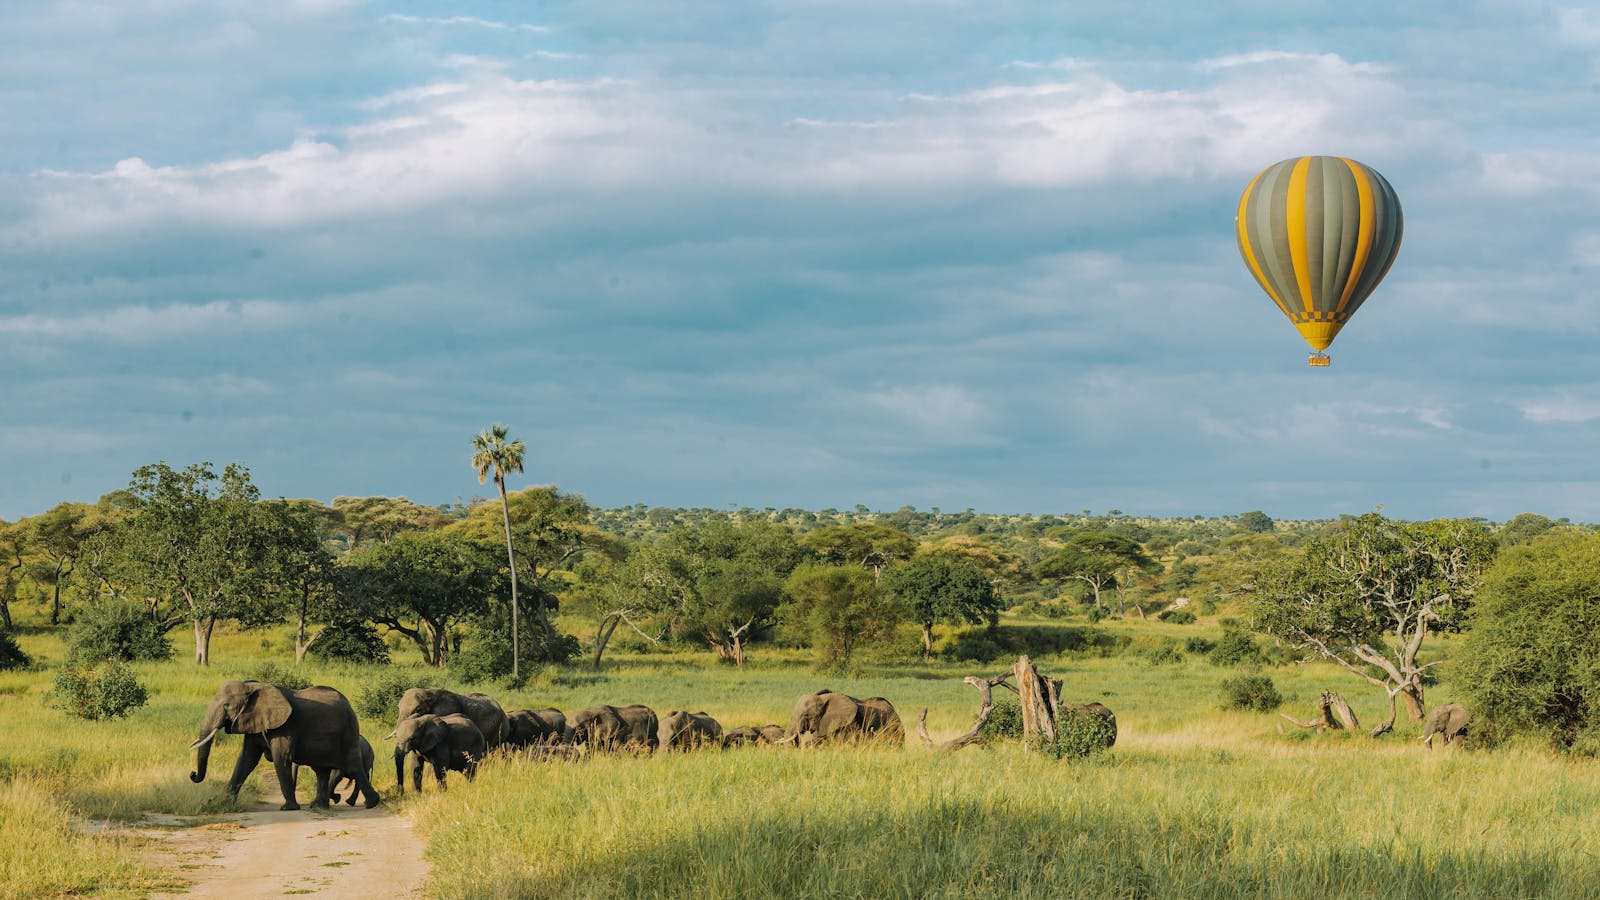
530 727
337 780
827 716
312 727
480 708
1450 720
451 742
610 727
686 730
751 734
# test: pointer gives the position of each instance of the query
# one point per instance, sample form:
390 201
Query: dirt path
347 852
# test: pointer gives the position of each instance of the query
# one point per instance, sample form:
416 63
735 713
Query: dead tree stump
1336 715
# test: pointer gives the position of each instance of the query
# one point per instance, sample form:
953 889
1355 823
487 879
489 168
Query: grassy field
1193 801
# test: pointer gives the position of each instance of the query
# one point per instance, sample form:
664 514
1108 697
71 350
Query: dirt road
347 852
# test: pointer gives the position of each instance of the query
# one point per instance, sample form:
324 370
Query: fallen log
973 735
1336 715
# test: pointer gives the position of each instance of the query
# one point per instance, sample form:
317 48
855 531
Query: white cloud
134 324
1563 409
946 409
1579 25
466 21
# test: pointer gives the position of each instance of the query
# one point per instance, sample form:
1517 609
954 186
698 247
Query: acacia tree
194 549
866 544
362 519
11 542
1096 558
303 569
421 586
839 608
1367 595
492 453
936 588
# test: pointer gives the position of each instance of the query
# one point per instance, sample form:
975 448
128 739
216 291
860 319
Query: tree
866 544
421 585
1096 558
1524 528
1367 595
56 538
11 543
1234 568
839 608
937 588
1255 522
551 532
491 453
302 568
1531 662
362 519
194 549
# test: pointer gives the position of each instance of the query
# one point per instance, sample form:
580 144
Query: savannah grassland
1192 802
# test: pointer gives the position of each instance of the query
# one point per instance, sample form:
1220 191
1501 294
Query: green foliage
867 544
1255 692
350 640
117 630
1531 663
1255 521
1177 616
1524 528
486 654
1198 645
989 644
1096 558
380 699
105 691
1005 720
938 588
1164 653
11 655
272 673
1079 735
839 608
421 585
1236 648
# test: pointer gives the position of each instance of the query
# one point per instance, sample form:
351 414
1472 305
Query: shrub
106 691
1199 645
1177 617
116 630
1005 720
381 699
987 644
352 641
972 646
272 673
11 655
1255 692
487 654
1164 654
1235 648
1080 734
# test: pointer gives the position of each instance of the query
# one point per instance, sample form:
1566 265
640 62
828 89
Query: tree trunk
738 651
511 557
927 641
5 613
300 644
436 638
55 603
1412 694
602 636
202 640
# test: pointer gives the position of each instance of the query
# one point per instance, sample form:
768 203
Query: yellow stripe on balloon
1369 226
1242 225
1297 229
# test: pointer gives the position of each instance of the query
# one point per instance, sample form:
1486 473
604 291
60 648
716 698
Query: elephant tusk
206 739
390 735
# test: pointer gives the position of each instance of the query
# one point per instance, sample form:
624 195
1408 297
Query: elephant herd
316 727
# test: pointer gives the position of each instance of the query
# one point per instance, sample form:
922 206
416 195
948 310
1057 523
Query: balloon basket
1318 359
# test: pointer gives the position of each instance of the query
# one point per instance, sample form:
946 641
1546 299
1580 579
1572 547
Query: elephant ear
267 707
429 732
841 708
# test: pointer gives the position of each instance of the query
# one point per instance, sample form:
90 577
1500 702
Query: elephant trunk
209 727
400 766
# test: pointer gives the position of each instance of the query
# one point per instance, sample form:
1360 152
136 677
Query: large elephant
313 727
686 730
1450 720
530 727
615 728
828 716
482 709
451 743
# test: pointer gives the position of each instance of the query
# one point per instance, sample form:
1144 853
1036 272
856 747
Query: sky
811 254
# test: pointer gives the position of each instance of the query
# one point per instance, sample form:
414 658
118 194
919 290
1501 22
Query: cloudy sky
810 253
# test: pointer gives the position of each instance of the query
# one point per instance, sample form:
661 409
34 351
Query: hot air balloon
1319 233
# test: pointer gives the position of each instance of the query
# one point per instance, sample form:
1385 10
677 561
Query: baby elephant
750 734
1450 720
349 778
686 731
449 742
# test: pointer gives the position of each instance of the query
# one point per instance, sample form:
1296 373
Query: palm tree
494 454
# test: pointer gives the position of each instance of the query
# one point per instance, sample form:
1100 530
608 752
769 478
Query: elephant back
879 719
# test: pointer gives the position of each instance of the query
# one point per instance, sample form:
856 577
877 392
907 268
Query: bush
11 655
1235 648
989 644
1177 617
1005 720
487 654
1164 654
1199 646
106 691
116 630
272 673
972 646
1080 734
1255 692
381 699
351 641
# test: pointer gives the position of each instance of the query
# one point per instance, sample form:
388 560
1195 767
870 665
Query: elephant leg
438 771
286 780
416 772
249 756
362 784
324 788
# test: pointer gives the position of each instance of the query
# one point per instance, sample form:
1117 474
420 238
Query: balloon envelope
1319 233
